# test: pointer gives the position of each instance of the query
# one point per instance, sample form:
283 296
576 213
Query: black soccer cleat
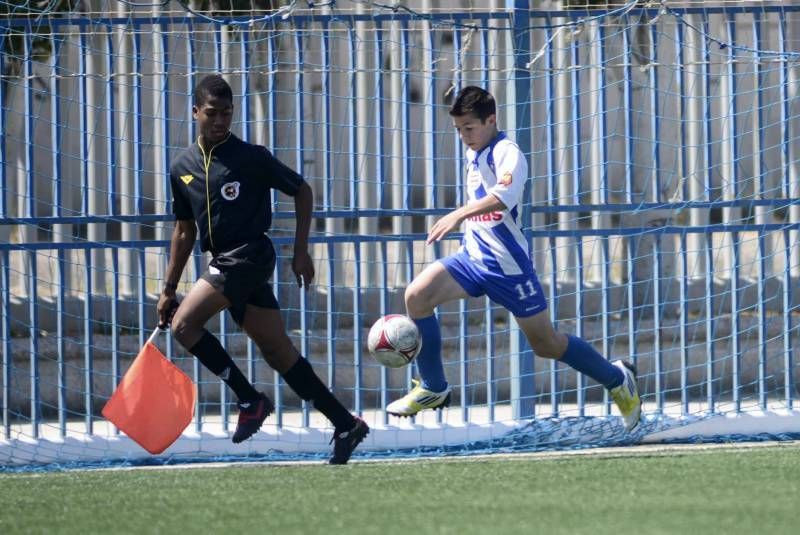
251 415
345 442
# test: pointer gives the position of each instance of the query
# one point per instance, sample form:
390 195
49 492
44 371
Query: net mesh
662 213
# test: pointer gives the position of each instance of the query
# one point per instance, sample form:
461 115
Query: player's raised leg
265 327
188 326
618 377
430 288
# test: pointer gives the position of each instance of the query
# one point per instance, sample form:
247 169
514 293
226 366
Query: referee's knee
186 333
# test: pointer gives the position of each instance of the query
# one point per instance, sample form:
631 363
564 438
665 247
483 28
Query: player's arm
180 248
453 220
302 264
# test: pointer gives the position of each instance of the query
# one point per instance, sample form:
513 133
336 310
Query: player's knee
417 301
546 348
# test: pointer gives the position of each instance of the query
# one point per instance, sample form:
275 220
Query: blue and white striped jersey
494 240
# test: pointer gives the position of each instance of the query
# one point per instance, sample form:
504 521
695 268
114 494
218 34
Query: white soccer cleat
419 399
626 395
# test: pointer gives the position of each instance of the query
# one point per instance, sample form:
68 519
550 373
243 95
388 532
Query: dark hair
476 101
212 85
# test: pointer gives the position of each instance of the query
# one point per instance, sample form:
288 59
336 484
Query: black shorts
242 275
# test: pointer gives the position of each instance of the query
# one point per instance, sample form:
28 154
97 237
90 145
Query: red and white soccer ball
394 340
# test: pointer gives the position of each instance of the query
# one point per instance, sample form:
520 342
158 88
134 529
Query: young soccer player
220 187
493 260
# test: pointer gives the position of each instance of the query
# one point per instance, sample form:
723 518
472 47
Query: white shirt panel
495 240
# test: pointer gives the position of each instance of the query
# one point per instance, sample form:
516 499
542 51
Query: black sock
210 352
302 379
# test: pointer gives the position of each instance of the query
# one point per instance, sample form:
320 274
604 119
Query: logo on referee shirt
230 191
506 179
186 179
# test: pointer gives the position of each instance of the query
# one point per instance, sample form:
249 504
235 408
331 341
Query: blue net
662 214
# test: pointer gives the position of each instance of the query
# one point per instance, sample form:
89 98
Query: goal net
662 213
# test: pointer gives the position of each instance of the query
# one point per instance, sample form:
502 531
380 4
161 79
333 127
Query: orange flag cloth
154 402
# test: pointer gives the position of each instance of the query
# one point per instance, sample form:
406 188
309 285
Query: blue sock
584 358
429 360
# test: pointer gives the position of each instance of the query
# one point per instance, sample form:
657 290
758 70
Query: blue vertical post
165 152
410 275
116 374
684 281
111 156
326 177
55 130
197 368
655 123
680 83
83 107
55 141
61 356
224 410
384 299
138 157
277 392
708 244
490 357
657 309
88 341
8 358
788 349
735 322
553 307
331 315
358 383
605 259
380 148
406 119
580 380
733 133
33 332
304 347
786 166
761 272
463 358
631 249
605 286
30 119
272 99
244 62
353 118
299 102
3 177
550 128
458 160
708 249
761 216
684 327
522 378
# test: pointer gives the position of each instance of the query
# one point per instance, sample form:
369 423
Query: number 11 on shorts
531 290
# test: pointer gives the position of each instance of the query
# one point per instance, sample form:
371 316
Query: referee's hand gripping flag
154 402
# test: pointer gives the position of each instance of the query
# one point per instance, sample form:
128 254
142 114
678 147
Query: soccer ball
394 340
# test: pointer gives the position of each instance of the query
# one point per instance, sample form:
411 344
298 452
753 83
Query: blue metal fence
639 128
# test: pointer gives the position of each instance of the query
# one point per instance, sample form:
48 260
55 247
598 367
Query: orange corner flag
154 402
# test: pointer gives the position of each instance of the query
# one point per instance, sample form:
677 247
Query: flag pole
153 336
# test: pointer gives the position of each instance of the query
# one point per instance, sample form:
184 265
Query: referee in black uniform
220 186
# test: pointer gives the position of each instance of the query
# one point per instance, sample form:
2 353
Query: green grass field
694 490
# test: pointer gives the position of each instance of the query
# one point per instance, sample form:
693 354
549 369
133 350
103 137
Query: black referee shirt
226 191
